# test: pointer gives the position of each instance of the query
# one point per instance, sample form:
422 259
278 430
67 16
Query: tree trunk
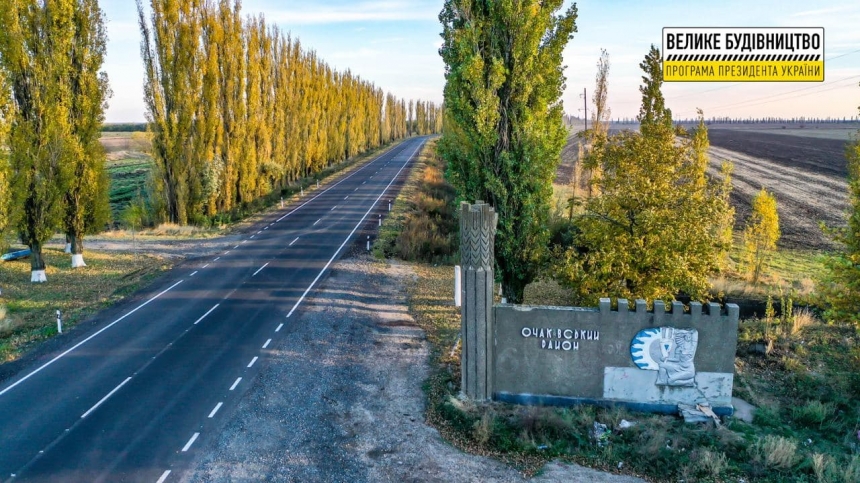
37 264
68 244
78 251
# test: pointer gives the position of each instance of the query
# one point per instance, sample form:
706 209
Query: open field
807 175
832 131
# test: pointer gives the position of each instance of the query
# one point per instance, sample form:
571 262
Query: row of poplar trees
52 99
238 109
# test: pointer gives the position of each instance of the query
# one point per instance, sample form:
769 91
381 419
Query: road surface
136 397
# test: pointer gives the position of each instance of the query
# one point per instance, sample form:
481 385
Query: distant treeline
124 127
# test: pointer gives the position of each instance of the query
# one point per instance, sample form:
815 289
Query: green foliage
840 288
503 132
656 225
87 208
36 39
761 233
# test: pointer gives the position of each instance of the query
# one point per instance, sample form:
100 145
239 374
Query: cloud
384 11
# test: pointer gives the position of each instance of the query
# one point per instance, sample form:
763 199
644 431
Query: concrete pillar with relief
477 235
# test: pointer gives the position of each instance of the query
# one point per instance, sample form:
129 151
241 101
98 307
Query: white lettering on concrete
553 338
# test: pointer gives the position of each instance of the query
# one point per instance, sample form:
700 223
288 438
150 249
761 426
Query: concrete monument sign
649 360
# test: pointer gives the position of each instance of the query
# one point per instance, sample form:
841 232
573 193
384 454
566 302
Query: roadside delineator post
389 205
368 242
59 323
477 237
380 220
282 202
458 287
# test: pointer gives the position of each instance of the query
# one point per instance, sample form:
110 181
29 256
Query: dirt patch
807 175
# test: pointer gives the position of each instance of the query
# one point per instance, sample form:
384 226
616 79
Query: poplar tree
173 69
35 39
840 287
87 207
504 73
5 119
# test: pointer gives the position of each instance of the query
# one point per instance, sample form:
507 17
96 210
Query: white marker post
380 220
389 205
282 202
457 286
318 183
368 242
59 323
303 190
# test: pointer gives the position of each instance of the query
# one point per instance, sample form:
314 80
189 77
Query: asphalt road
139 395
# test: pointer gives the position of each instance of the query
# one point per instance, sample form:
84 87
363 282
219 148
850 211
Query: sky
395 43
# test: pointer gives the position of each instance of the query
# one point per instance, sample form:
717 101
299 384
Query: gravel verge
339 398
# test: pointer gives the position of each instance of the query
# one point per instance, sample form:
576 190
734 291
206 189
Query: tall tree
840 288
504 135
601 112
87 207
5 188
650 231
173 69
35 40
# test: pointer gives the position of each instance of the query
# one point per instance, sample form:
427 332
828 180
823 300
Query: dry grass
77 293
775 452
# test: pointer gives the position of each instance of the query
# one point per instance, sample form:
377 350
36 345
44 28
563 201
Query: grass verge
78 293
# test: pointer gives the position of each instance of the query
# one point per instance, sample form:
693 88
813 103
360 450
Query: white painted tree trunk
68 248
78 261
38 276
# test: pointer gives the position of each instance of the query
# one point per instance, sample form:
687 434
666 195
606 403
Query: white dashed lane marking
207 313
217 407
190 442
238 380
258 270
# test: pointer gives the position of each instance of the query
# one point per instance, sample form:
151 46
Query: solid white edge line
217 407
190 442
207 313
55 359
193 273
311 286
258 270
267 343
106 397
163 476
279 328
253 361
238 379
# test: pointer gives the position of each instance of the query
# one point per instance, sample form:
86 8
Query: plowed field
807 175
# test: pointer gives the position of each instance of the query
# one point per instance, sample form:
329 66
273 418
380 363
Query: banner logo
742 54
